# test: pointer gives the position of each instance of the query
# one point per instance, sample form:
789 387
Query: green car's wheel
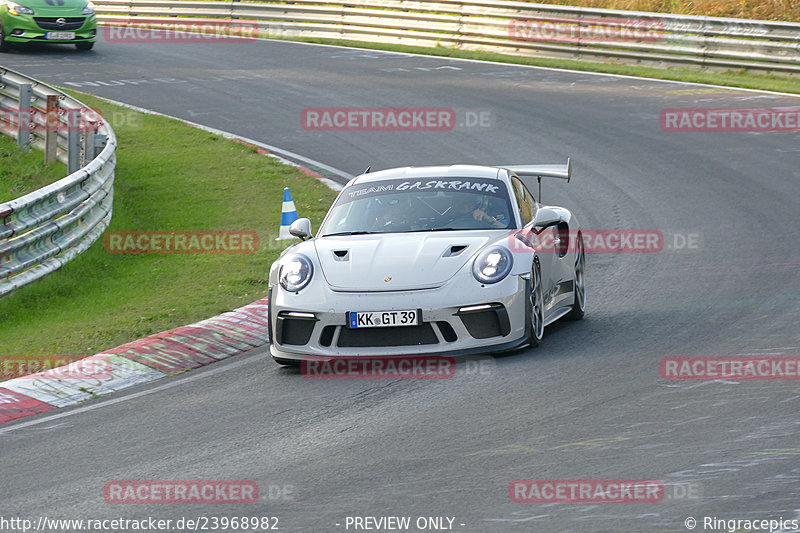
84 45
4 46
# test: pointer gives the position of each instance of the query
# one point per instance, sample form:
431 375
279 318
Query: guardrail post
90 139
88 145
73 142
99 143
51 125
24 116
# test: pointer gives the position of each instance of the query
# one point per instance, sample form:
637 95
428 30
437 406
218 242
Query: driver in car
469 214
394 216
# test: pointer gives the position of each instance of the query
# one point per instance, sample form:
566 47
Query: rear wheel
536 307
579 286
84 45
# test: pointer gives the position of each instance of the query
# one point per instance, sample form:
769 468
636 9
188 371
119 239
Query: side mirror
545 218
301 228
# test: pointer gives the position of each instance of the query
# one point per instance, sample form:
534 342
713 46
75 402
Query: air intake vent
391 336
455 250
67 23
341 255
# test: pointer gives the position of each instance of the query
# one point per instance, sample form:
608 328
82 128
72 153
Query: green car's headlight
16 9
88 10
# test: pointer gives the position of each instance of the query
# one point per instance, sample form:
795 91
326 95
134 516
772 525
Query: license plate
382 319
59 35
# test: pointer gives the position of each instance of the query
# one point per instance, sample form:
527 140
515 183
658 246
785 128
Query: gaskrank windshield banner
482 186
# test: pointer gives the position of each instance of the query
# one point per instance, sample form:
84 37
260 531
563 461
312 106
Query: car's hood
53 8
396 261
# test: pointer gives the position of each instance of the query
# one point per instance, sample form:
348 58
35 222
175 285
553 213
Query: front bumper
314 322
25 29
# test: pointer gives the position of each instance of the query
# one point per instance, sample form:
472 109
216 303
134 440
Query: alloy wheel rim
580 266
537 311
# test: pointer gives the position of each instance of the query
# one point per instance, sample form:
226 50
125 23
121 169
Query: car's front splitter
324 313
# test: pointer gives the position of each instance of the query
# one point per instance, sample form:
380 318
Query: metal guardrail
41 231
508 27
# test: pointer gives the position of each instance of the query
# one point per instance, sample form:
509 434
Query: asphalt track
589 403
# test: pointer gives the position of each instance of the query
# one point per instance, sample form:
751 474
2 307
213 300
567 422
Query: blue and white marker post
288 215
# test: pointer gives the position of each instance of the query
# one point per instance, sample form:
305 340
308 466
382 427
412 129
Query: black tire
84 46
535 307
5 46
580 283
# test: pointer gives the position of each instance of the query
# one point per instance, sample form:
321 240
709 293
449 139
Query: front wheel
536 307
84 45
579 286
4 46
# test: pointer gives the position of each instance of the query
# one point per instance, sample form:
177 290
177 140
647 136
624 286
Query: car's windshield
426 204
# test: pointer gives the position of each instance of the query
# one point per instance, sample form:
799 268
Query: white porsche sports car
449 260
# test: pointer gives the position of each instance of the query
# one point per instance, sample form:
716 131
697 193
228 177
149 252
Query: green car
48 21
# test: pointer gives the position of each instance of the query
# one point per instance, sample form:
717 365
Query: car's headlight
492 265
16 9
88 10
295 273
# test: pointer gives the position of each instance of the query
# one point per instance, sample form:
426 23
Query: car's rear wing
540 171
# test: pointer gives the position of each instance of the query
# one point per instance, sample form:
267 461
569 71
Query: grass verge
169 176
22 172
